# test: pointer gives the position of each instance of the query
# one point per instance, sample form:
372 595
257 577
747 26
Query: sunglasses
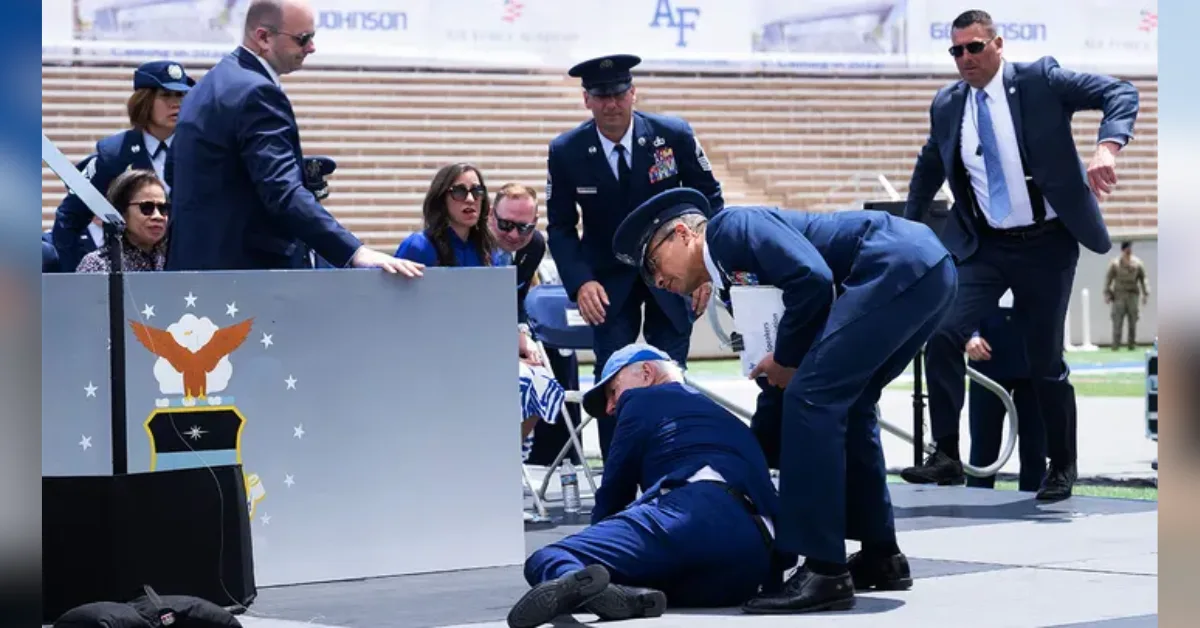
974 48
302 40
459 192
147 207
523 228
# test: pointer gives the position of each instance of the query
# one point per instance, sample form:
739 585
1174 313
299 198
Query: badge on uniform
664 165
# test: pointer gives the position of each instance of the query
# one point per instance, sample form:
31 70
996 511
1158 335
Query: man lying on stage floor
701 534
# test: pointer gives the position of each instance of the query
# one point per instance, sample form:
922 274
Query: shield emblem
186 438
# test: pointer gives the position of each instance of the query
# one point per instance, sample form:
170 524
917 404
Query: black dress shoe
557 597
619 602
938 469
882 573
1058 483
806 592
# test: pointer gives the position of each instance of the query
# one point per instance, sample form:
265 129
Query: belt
1027 232
743 499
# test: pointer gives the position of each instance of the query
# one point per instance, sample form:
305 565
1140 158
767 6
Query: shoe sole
832 605
912 479
548 600
615 605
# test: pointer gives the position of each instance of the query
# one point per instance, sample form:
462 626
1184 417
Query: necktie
506 259
623 173
999 205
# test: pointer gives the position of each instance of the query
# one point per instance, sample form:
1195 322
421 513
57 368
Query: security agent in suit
601 170
701 532
1022 206
158 88
997 350
862 292
239 197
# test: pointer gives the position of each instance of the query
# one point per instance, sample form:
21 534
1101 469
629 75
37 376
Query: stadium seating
803 142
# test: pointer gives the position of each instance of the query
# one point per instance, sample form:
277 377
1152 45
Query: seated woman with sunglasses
141 199
456 233
455 210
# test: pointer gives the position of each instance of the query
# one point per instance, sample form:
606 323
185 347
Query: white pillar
1087 322
1067 346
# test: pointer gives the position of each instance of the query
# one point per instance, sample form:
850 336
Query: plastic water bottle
570 487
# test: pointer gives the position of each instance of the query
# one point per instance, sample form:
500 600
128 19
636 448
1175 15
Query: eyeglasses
974 48
147 207
302 40
459 192
649 266
523 228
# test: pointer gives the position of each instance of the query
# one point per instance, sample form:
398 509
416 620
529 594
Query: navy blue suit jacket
578 173
667 433
867 257
237 183
1009 360
49 256
114 154
1042 97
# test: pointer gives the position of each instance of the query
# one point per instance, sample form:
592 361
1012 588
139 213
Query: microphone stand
113 239
114 229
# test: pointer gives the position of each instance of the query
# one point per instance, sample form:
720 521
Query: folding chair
554 324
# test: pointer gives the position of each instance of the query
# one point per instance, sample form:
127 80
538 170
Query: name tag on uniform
664 165
585 190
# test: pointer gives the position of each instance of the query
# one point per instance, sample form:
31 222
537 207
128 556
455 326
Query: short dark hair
1126 245
265 13
975 16
123 188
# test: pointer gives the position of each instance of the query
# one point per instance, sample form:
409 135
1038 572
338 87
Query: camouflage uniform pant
1124 307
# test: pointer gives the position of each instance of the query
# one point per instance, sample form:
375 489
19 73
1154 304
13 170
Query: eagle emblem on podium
202 428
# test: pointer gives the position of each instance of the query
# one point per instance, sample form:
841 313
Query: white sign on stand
757 311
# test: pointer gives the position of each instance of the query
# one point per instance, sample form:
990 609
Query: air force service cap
316 168
166 75
634 233
605 76
594 400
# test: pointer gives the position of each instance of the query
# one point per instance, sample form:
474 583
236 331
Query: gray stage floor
981 559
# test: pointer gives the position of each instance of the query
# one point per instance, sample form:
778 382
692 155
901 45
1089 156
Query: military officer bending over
700 534
862 292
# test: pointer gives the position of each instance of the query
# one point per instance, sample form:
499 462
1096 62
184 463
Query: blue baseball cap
167 75
604 76
594 400
634 233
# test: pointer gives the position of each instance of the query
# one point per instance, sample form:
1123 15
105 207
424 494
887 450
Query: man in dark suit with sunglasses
238 183
601 170
1023 204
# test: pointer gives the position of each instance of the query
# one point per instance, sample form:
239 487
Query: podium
183 532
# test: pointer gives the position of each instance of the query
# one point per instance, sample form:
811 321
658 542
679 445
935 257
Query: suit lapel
958 106
1014 104
643 147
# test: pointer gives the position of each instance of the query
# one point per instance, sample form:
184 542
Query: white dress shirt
158 159
1010 156
610 146
267 66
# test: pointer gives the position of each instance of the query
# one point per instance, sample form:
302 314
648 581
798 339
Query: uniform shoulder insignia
701 157
89 170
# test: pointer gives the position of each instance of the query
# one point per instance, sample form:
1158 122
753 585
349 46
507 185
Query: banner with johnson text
817 35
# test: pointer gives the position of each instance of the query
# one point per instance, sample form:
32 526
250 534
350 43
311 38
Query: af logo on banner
680 18
194 426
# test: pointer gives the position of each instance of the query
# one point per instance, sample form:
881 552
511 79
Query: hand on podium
370 258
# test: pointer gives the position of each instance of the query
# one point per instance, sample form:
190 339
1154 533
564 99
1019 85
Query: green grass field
1086 384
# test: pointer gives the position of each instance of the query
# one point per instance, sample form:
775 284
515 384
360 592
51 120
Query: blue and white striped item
541 396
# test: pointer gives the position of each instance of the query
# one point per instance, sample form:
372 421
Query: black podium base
183 532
